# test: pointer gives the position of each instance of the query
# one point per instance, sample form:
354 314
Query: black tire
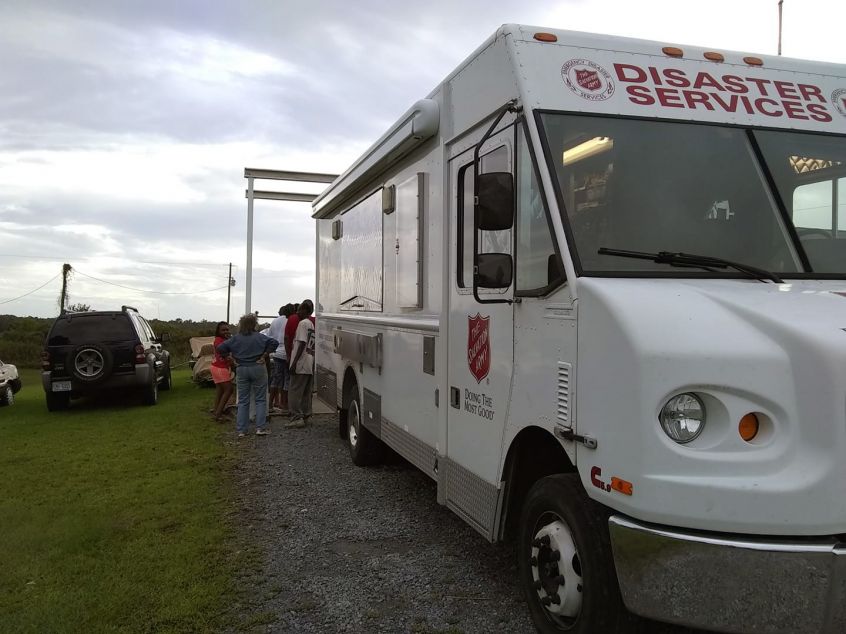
57 401
342 424
16 385
150 393
167 380
558 517
7 395
90 363
365 448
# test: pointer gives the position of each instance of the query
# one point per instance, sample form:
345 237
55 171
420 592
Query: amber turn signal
622 486
754 61
748 427
672 51
714 57
546 37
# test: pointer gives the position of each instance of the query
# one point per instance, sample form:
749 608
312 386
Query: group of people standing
288 345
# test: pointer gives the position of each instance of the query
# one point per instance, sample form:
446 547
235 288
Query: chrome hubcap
557 571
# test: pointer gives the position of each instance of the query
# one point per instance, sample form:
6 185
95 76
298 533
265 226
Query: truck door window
810 172
538 266
820 206
489 241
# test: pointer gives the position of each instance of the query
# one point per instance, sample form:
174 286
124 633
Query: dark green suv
103 350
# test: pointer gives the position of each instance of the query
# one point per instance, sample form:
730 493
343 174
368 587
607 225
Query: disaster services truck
595 288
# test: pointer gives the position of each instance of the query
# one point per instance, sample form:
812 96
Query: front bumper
731 583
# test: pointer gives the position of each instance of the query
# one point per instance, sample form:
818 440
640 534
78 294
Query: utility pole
63 298
229 286
780 2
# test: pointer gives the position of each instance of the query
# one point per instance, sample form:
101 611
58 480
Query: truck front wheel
565 561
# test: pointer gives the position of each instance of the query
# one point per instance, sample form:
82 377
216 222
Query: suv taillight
45 360
140 357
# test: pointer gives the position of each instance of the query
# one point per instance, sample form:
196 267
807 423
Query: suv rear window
91 328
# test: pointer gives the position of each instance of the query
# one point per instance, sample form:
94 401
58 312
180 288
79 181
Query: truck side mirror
495 202
494 270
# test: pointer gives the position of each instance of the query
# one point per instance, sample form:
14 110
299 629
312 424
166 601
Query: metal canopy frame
252 174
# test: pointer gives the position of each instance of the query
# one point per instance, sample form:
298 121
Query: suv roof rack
125 308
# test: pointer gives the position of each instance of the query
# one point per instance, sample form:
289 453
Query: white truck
595 287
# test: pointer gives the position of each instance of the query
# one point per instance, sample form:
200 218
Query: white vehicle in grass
10 383
595 288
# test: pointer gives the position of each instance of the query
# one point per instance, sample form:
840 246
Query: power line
141 290
6 301
65 259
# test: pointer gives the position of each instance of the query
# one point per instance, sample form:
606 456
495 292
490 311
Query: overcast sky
125 126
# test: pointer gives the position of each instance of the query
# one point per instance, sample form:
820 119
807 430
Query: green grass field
113 515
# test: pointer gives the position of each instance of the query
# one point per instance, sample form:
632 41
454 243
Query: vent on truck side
563 394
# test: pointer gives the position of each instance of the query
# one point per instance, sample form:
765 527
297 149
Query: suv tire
150 395
167 380
57 401
90 363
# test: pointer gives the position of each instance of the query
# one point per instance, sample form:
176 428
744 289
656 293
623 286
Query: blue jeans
251 379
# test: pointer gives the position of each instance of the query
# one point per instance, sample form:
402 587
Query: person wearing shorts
279 376
221 372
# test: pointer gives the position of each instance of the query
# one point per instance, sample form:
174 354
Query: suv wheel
150 396
57 401
167 381
91 362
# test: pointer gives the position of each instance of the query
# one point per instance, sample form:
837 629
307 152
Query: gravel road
346 549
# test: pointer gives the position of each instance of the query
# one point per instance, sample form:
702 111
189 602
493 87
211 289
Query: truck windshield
659 186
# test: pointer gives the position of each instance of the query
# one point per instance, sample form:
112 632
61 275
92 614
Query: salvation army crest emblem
478 346
587 79
838 98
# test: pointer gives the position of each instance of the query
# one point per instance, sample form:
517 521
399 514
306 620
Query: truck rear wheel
365 448
565 561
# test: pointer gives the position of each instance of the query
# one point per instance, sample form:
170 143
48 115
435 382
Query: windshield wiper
698 261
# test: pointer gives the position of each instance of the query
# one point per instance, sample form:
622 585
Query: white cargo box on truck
595 287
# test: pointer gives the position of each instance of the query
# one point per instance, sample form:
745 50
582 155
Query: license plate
62 386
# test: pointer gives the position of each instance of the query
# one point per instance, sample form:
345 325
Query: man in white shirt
279 363
302 367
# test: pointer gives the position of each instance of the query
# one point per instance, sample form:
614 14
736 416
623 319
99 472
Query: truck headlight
683 417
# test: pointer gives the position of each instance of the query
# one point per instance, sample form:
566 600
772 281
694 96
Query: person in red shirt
221 371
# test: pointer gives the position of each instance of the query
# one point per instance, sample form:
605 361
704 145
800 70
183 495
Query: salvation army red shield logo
587 79
478 346
838 98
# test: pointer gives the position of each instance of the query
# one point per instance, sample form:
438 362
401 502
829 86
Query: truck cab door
480 347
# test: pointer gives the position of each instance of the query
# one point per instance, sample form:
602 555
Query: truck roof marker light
714 57
546 37
754 61
748 427
672 51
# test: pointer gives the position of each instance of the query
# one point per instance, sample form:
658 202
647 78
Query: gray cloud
106 79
